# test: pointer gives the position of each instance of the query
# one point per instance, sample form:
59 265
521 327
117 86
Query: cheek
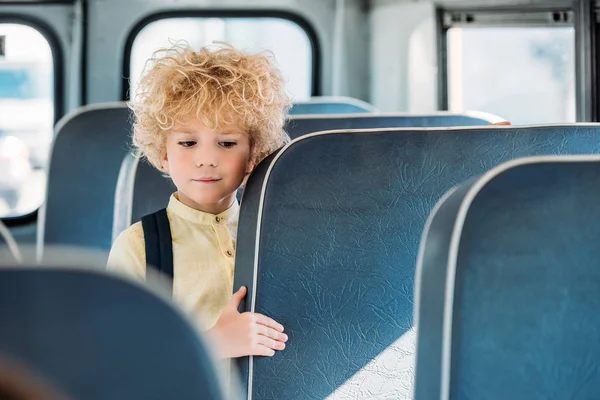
236 165
176 160
243 163
180 164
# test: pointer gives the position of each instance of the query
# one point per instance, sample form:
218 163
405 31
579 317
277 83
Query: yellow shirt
203 255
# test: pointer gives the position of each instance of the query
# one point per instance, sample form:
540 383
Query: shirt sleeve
128 254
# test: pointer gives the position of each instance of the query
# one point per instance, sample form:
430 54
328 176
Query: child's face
207 166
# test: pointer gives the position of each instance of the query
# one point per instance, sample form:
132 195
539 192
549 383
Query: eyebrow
224 133
184 132
231 133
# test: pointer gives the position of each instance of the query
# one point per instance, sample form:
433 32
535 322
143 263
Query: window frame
59 99
300 21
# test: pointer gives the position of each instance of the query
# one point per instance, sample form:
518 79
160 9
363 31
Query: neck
210 208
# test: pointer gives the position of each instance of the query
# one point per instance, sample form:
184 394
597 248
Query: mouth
206 180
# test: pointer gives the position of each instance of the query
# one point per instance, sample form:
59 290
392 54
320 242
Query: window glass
26 118
288 42
526 75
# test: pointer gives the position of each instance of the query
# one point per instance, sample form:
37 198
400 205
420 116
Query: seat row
90 145
501 301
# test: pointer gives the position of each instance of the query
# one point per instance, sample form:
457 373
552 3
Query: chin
207 198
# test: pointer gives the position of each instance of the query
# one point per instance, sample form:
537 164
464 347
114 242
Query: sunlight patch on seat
389 375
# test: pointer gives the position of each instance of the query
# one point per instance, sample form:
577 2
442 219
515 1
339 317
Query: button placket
224 239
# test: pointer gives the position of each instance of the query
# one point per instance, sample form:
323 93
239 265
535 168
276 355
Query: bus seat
94 335
331 105
509 271
8 246
86 155
328 239
301 125
144 190
141 190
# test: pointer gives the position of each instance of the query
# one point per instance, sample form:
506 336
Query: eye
187 143
227 144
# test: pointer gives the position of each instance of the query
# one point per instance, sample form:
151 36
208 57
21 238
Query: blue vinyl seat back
84 166
331 105
95 336
336 219
141 190
299 126
524 317
150 186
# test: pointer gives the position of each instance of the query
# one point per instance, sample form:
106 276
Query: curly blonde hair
221 88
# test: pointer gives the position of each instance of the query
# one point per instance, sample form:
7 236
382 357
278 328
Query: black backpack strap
158 242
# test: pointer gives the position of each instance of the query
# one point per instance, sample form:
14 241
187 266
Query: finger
262 350
272 333
237 298
269 322
270 343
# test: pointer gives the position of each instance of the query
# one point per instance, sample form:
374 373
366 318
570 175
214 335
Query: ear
165 163
250 166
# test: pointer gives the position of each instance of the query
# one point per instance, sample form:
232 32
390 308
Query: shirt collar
201 217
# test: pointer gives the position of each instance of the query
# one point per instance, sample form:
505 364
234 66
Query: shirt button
218 219
229 253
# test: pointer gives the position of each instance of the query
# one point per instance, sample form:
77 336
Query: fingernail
284 336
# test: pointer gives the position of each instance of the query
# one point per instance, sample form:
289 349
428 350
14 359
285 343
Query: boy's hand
247 334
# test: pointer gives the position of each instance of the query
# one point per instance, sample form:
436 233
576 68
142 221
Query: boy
207 119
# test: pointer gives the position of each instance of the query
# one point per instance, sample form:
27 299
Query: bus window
523 74
288 41
26 118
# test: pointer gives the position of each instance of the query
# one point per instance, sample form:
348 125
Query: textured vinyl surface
526 319
342 219
301 126
82 177
97 337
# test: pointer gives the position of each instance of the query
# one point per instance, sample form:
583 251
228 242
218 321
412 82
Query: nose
206 155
